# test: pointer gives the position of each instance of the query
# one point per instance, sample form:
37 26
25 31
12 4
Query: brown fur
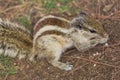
51 21
18 36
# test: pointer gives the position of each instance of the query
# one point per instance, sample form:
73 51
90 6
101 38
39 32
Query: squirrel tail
15 40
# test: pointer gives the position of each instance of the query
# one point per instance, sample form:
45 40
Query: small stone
97 53
106 44
94 65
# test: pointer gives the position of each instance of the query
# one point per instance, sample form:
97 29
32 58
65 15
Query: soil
99 63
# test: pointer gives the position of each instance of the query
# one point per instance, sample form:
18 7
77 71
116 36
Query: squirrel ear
83 13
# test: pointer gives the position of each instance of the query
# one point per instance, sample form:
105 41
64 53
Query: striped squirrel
51 37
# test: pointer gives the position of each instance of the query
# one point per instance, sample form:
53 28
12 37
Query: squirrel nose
105 39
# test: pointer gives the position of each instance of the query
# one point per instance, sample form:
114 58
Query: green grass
63 8
6 66
24 20
52 4
64 1
20 1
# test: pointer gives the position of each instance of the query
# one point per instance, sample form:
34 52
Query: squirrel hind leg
31 57
21 55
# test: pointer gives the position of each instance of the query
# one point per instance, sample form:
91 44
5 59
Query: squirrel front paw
61 65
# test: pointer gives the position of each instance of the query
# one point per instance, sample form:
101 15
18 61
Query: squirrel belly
15 40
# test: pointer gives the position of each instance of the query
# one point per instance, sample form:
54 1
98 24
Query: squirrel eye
92 31
78 26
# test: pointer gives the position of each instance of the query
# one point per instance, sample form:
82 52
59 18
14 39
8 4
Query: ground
99 63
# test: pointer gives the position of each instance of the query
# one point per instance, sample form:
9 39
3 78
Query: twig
89 60
6 77
13 7
96 62
71 50
113 45
108 16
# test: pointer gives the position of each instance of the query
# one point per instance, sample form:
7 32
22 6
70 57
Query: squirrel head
87 32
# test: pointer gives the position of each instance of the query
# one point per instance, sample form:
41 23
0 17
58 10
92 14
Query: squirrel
51 37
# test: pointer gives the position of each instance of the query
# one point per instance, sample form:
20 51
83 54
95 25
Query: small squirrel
52 36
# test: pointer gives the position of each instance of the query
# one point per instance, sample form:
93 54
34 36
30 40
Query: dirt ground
99 63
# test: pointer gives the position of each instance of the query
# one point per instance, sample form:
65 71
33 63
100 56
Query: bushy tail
15 40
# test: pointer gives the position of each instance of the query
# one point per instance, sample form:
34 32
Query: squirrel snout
105 39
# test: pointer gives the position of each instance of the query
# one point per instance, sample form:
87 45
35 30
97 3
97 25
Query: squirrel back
15 40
